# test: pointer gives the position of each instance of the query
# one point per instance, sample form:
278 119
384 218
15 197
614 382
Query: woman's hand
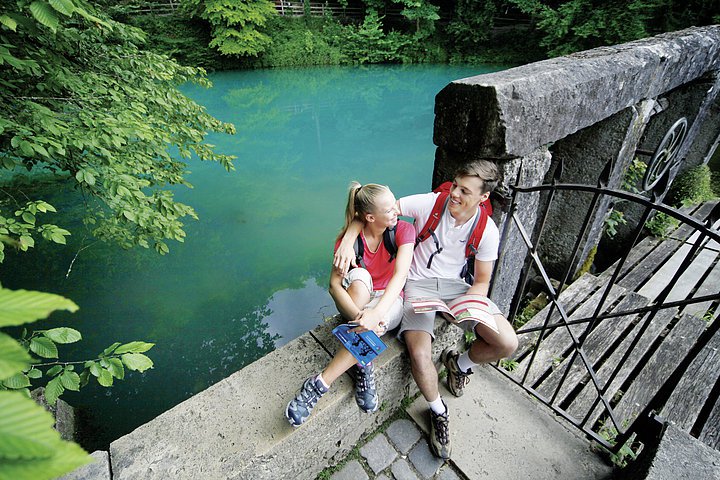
369 319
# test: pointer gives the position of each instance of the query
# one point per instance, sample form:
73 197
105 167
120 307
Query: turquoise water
253 271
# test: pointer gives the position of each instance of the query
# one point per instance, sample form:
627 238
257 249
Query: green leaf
134 347
23 306
29 218
34 373
30 449
19 380
8 22
95 369
137 361
44 347
111 348
54 370
84 378
53 390
115 367
66 7
13 357
105 379
70 380
44 14
63 335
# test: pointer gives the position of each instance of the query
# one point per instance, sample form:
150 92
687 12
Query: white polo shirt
452 239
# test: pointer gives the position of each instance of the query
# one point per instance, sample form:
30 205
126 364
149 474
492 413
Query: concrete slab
499 431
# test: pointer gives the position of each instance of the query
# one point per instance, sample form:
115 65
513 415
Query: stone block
424 461
98 470
402 470
378 453
62 412
403 434
351 471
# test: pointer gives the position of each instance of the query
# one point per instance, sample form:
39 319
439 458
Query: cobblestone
386 457
403 434
378 453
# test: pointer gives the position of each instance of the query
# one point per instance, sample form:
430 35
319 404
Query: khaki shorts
445 289
393 316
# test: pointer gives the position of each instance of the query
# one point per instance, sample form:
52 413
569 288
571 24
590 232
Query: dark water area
252 273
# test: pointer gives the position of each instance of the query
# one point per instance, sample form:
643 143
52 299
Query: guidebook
463 308
364 346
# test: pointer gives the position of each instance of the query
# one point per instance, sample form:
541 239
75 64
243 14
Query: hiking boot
440 434
366 394
300 407
456 378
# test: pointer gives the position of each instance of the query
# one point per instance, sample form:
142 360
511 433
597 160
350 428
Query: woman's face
385 212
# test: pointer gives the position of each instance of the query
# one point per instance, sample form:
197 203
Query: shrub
691 187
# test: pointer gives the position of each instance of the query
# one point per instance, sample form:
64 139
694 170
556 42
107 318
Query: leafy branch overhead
81 100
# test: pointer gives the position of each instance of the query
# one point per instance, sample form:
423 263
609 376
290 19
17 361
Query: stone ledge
513 112
236 429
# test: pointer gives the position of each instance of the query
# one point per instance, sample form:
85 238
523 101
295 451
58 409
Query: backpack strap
390 242
359 252
431 224
468 270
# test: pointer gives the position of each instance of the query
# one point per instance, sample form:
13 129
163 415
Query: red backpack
473 240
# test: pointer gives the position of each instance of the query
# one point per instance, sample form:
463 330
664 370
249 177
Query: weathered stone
403 434
424 461
513 112
98 470
62 412
378 453
447 473
401 470
351 471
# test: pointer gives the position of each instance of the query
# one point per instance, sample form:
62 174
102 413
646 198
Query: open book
364 346
463 308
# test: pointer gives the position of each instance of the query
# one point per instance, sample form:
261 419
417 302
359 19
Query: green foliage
509 365
661 224
576 25
691 187
236 24
30 449
472 23
626 452
612 221
423 13
81 100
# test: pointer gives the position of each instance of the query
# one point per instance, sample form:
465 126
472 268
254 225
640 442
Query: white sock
322 380
437 406
465 363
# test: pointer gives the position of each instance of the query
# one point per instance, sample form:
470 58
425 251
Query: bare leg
491 346
423 369
341 362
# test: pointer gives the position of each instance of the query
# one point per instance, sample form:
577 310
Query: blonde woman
368 295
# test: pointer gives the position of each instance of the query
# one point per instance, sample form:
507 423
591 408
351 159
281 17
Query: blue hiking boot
300 407
366 394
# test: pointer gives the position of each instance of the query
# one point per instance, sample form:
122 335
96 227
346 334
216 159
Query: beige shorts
393 316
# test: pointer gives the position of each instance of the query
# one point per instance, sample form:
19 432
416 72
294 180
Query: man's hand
343 259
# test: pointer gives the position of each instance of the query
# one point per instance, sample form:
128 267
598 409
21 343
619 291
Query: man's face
465 196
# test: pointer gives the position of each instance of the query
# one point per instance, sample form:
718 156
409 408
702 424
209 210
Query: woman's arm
345 254
371 317
341 297
483 272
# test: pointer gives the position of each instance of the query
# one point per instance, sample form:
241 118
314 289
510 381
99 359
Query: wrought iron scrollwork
666 155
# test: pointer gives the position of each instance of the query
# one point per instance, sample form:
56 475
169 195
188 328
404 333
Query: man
436 273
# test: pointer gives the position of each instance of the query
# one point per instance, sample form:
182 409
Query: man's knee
507 345
419 347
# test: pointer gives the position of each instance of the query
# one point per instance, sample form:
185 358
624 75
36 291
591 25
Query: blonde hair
361 201
485 170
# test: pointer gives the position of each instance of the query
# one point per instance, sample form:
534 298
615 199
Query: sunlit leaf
44 347
63 335
105 379
70 380
19 380
137 361
23 306
134 347
53 390
44 14
13 358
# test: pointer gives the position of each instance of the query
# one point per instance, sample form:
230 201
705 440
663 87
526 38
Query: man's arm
483 272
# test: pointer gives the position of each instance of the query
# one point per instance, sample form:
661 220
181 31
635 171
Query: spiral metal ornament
666 155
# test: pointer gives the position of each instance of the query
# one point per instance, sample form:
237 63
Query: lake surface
252 273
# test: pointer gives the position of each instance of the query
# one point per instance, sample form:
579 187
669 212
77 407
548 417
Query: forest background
225 34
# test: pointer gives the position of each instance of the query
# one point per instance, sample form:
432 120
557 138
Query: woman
369 296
